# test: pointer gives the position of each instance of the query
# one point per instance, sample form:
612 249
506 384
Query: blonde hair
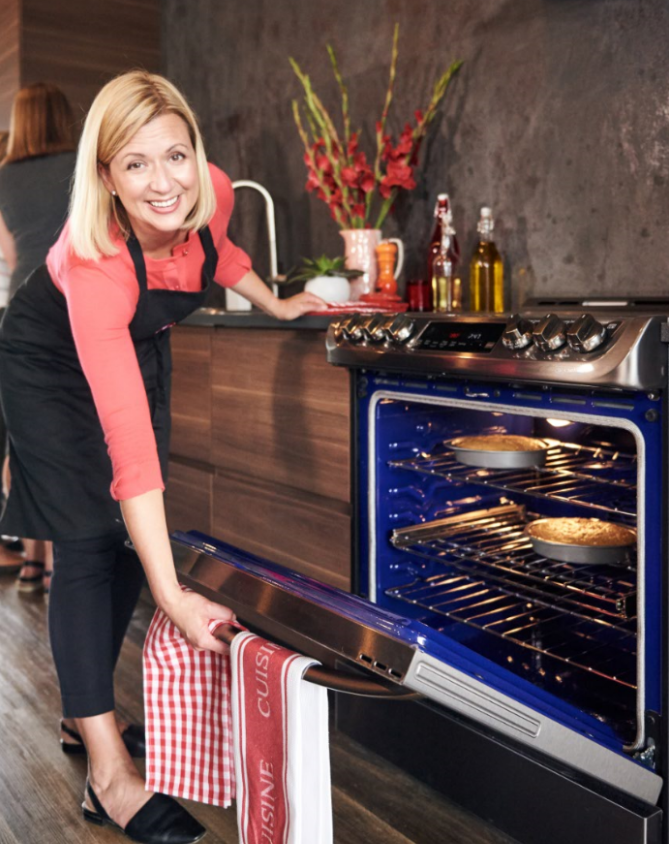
120 110
41 123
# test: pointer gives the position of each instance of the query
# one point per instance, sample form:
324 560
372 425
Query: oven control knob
549 333
400 329
371 329
352 329
585 334
341 329
518 333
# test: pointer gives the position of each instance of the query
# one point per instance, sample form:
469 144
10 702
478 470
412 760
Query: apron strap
208 268
138 260
210 255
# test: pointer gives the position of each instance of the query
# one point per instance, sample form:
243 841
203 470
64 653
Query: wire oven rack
491 579
597 477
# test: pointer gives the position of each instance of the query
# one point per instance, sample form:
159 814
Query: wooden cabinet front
280 411
260 446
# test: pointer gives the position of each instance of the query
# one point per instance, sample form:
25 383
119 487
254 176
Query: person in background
85 385
4 266
35 177
10 551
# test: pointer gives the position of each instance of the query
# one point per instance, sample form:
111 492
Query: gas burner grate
598 477
491 545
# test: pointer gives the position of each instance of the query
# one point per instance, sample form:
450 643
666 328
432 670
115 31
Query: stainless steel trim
330 678
626 424
628 361
474 699
268 606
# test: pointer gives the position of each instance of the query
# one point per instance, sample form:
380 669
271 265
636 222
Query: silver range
614 350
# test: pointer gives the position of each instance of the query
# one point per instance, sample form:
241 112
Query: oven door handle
337 681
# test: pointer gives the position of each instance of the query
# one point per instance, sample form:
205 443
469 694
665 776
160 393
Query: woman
35 178
84 352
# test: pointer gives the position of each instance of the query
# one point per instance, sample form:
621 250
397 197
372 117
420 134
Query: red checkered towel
188 718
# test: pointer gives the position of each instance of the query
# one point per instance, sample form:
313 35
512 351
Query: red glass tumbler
419 294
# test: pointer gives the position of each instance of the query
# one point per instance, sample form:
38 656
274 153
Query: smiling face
156 180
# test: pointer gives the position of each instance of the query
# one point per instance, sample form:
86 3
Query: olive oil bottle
443 268
486 271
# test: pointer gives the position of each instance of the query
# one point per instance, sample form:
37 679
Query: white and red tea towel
249 719
282 756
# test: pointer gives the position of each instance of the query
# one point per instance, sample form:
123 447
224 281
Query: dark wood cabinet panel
260 446
309 534
188 499
191 393
78 46
280 412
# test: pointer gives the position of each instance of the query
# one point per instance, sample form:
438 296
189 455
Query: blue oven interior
564 637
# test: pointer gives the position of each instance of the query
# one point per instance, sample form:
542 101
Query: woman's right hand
192 614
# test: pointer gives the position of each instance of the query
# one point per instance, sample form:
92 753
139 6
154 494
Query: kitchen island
261 440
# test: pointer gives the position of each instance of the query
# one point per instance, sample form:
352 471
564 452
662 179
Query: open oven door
390 656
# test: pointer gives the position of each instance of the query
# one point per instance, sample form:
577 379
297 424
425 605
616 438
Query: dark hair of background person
4 137
42 123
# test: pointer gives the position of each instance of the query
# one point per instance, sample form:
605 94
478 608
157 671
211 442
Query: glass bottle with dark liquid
486 271
441 210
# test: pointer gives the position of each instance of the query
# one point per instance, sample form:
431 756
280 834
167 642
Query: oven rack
491 545
597 477
584 645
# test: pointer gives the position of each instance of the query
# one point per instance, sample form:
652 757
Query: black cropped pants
95 587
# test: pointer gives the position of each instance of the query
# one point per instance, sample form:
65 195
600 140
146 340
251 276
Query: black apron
61 471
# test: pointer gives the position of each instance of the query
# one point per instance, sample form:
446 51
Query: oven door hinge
649 756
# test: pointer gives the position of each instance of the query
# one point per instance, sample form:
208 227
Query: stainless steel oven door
395 653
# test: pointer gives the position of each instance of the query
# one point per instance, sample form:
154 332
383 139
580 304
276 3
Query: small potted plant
326 277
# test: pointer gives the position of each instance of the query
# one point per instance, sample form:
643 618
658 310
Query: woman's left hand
297 306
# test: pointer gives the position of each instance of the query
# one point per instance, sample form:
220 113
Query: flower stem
312 159
384 115
344 97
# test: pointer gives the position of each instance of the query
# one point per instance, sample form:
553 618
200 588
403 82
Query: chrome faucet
271 227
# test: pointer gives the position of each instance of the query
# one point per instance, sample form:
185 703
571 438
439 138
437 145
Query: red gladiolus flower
397 175
312 181
350 176
358 210
367 181
323 164
420 117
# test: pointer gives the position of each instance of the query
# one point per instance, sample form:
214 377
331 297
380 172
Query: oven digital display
460 337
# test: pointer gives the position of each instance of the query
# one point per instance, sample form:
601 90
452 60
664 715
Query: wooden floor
41 788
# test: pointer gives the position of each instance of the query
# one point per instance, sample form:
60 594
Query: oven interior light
559 423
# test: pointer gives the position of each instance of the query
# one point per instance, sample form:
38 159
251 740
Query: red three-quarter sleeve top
101 299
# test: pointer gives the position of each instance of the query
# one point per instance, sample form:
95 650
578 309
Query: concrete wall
559 119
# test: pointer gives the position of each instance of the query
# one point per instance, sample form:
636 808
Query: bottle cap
442 196
485 211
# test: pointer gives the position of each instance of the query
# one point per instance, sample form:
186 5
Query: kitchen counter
253 319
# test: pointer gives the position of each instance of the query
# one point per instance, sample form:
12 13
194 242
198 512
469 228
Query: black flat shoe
133 738
161 820
32 582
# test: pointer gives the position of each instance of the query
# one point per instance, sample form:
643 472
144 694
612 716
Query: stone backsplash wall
559 119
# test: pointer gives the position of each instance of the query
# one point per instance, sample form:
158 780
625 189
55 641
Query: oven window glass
454 551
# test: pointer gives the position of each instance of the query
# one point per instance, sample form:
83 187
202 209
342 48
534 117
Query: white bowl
331 288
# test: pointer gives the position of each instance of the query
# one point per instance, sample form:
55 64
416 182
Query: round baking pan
582 554
499 458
